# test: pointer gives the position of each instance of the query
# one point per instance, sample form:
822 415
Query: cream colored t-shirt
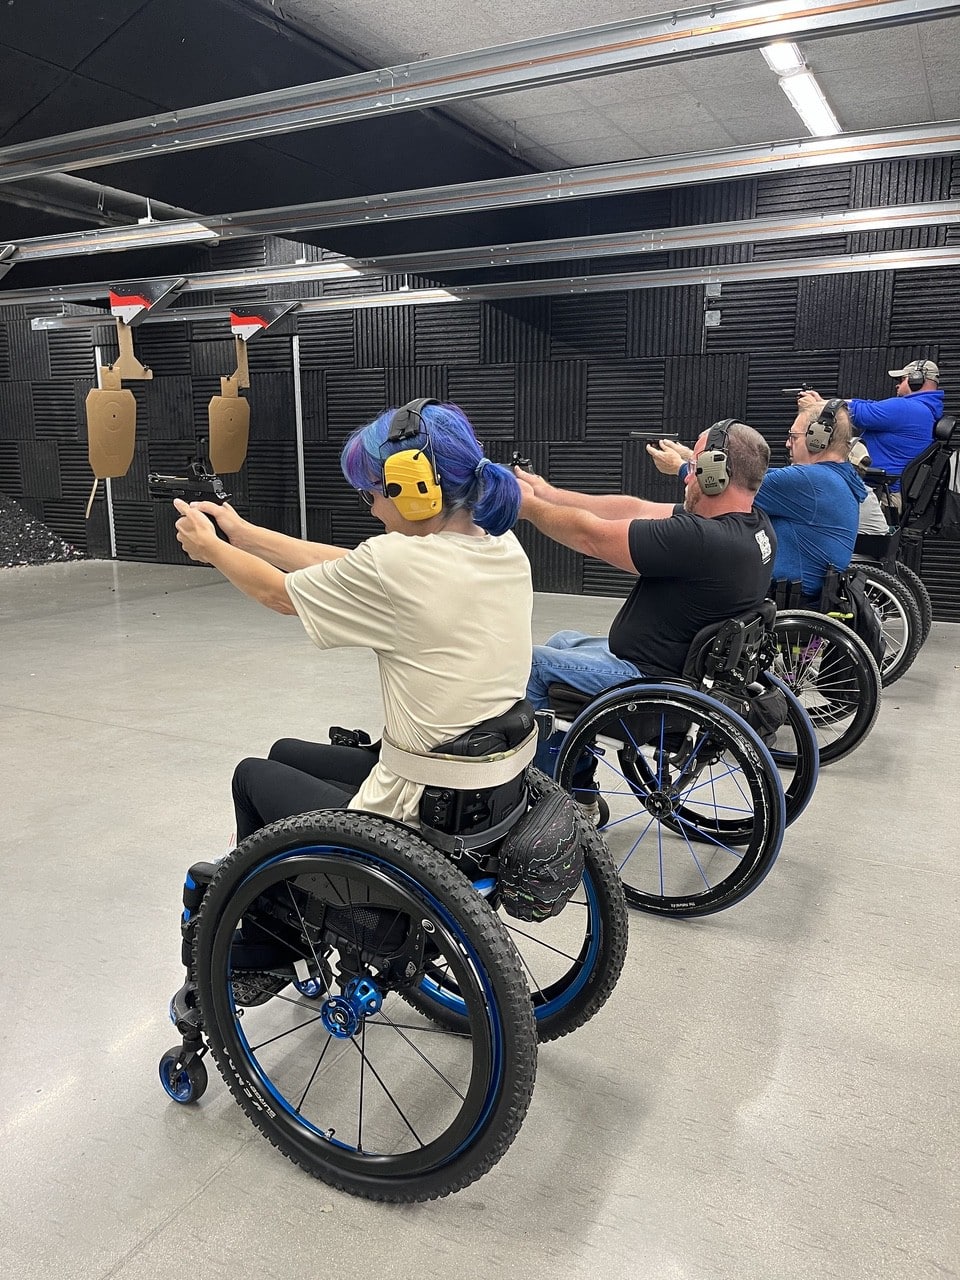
449 618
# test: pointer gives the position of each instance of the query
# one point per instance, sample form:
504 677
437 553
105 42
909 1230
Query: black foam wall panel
565 380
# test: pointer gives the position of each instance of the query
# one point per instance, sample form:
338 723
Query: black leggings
295 778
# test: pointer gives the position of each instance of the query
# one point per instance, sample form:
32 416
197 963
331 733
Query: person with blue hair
443 597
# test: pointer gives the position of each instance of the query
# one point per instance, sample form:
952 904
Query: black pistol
200 484
517 460
796 392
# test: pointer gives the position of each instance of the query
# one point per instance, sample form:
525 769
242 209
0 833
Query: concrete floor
770 1093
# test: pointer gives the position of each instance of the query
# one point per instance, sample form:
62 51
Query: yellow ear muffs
410 483
410 478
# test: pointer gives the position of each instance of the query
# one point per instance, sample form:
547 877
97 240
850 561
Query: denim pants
584 662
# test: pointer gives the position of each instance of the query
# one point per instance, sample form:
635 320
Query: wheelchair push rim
696 804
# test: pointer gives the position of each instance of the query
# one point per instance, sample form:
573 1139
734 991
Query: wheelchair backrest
925 479
732 648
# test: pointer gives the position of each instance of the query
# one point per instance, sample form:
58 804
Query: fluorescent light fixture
783 57
114 238
811 106
799 84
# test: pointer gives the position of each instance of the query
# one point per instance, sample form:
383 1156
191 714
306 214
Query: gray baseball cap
926 367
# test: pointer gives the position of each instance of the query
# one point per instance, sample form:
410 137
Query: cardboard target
228 422
111 431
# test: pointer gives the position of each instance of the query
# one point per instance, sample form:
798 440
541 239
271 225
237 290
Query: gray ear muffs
917 377
820 433
712 469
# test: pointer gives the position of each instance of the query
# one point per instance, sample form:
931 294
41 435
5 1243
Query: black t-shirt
693 572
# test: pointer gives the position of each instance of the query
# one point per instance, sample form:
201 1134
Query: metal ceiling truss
665 239
654 173
728 273
696 32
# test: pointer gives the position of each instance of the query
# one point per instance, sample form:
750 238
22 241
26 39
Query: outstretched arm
278 549
248 573
610 506
591 535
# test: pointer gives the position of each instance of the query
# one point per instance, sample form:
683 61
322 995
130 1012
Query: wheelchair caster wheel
183 1081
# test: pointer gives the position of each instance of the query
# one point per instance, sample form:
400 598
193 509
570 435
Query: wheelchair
693 802
894 558
830 670
366 999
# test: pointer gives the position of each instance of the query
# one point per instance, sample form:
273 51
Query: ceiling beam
654 173
662 240
726 273
670 239
700 31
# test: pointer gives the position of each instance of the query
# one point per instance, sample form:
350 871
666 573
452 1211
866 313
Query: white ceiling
891 76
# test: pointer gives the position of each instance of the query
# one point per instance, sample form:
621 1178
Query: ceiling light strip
616 46
655 173
727 273
662 240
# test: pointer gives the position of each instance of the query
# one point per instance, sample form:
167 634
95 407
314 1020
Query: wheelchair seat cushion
566 700
541 860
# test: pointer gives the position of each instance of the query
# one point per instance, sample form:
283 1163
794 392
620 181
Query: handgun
796 392
516 460
200 484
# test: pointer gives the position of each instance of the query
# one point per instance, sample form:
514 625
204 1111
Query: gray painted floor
770 1092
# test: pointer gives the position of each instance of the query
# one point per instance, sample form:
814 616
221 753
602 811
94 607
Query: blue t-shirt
897 429
815 510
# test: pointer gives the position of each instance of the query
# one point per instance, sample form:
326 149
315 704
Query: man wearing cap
895 430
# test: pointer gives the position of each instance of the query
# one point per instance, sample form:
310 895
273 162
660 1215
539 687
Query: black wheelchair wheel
795 752
572 961
921 596
184 1081
833 673
900 624
696 805
355 1087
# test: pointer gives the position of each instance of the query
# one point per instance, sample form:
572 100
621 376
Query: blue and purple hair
489 492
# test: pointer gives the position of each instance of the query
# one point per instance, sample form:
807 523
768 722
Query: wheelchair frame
708 792
334 917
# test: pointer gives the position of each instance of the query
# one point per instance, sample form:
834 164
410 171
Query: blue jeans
584 662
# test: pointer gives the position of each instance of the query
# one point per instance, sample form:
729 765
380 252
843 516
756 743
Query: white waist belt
459 773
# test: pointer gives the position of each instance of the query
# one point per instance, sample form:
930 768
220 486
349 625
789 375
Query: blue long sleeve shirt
897 429
815 511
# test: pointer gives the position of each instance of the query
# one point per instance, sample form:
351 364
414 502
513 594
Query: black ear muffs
820 433
918 376
409 477
713 468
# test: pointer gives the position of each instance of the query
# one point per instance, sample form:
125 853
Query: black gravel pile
26 540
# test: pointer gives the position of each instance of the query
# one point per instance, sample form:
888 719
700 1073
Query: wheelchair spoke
690 800
396 1106
303 927
255 1048
313 1074
421 1055
707 836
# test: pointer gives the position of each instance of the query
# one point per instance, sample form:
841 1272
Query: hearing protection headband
409 477
712 470
820 433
